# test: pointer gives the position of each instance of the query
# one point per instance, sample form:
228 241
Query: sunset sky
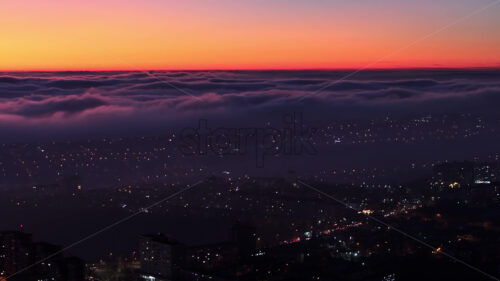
253 34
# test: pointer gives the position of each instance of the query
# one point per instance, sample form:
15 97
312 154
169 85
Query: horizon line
253 69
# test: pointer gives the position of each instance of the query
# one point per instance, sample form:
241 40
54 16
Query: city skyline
249 140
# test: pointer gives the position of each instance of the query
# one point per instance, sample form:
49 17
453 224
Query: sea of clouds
40 103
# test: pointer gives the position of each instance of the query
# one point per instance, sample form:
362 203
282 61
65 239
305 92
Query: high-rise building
245 238
22 259
51 267
16 254
75 269
160 257
486 173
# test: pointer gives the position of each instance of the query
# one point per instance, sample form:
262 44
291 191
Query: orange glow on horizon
153 35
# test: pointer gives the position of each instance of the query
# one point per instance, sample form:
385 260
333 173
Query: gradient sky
252 34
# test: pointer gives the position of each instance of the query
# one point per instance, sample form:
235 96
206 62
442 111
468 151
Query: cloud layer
101 101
